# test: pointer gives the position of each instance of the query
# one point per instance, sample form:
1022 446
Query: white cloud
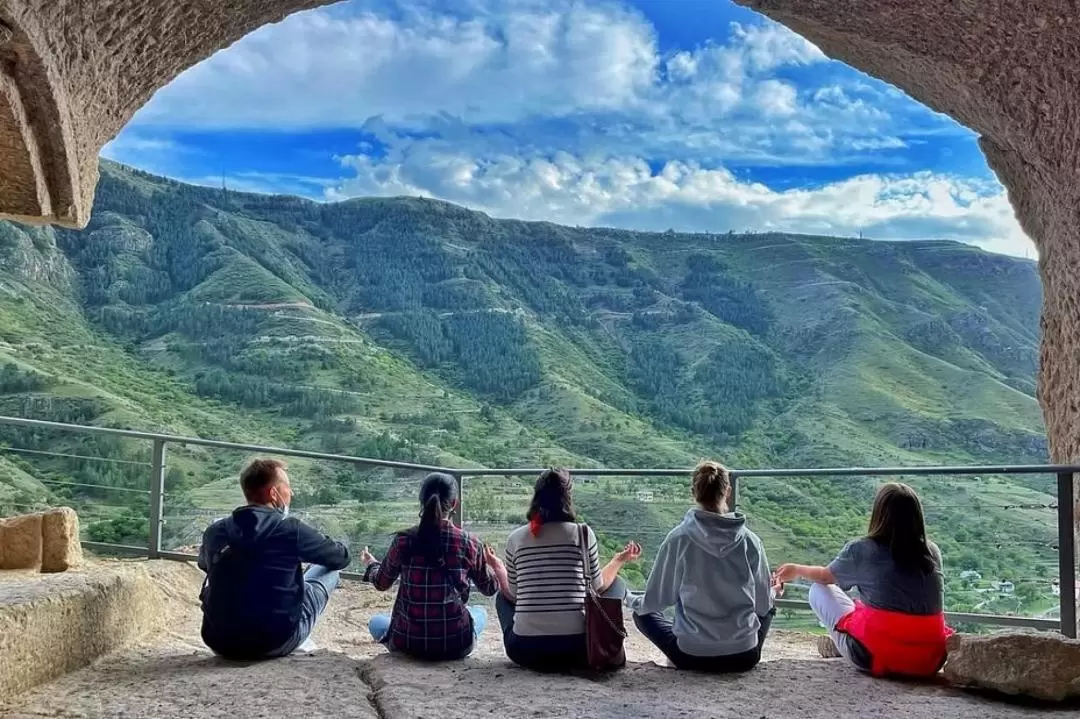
769 46
131 144
323 69
775 98
567 110
626 192
594 65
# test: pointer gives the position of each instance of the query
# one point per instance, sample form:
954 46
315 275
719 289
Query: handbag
604 628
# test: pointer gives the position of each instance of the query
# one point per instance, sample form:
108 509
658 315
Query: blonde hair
711 483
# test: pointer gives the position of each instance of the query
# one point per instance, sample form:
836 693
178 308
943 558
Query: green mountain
412 329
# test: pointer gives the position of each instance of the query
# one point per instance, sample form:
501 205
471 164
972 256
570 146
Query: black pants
550 652
658 629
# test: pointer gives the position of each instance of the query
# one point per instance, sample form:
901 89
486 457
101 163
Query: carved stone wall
73 72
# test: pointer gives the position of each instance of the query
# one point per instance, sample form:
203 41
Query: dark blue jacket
254 583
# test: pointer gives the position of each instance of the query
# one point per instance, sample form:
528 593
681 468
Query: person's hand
777 589
367 558
630 553
491 558
784 574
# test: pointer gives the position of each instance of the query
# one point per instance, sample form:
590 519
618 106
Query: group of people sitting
711 569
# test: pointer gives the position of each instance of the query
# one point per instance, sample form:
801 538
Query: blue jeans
379 626
319 583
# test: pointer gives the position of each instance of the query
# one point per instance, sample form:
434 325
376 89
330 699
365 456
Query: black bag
604 628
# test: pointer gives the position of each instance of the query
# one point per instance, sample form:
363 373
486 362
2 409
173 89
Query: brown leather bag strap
583 540
591 595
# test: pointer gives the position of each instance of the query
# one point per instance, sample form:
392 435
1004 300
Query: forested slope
412 329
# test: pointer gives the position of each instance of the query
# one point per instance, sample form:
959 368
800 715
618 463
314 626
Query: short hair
258 477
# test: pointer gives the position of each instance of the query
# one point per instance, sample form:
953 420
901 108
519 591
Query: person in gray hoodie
713 570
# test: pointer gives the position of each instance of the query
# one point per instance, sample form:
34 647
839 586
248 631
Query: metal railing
1065 505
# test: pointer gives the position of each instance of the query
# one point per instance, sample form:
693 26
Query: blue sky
647 114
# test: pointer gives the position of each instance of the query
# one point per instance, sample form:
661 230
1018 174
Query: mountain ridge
409 328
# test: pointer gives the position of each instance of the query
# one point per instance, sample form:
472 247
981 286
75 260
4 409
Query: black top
254 583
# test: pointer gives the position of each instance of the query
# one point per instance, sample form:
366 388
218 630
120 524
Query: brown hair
897 523
258 477
711 483
551 500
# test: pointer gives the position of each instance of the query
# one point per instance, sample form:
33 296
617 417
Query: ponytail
430 530
437 495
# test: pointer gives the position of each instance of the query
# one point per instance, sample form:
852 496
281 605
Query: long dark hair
897 523
437 494
551 500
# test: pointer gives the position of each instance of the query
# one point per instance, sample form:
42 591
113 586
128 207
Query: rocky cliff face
30 254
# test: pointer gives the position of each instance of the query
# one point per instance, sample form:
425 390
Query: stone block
52 624
1040 665
20 542
60 547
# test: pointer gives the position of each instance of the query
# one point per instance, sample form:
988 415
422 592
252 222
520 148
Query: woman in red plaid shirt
435 562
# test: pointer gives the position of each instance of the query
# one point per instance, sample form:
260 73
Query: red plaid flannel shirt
430 618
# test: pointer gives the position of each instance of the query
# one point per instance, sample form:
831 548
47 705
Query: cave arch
73 72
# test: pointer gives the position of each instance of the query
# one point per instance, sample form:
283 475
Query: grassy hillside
413 329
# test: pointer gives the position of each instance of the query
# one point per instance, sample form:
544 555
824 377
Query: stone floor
350 676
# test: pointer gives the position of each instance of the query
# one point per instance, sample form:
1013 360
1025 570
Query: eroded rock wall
73 72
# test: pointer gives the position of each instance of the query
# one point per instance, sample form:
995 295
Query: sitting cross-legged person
435 561
257 602
712 569
541 604
897 628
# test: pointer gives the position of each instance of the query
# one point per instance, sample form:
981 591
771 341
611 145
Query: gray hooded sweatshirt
713 570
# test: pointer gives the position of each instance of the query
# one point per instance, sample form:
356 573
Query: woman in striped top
541 604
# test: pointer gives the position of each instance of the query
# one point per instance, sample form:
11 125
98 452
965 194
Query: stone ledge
51 624
805 688
166 682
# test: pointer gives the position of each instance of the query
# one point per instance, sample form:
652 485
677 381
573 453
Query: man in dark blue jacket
257 602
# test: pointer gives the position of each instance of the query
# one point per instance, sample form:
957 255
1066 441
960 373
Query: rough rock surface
73 72
1039 665
54 623
20 542
351 676
60 547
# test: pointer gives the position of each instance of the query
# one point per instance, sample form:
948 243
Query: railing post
157 498
1066 499
458 515
734 492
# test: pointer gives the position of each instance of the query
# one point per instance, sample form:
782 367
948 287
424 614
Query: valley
416 330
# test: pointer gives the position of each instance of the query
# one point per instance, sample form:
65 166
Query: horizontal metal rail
239 446
1065 490
795 472
1001 620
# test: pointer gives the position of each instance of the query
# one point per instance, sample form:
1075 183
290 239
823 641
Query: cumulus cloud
594 64
320 69
629 192
571 111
